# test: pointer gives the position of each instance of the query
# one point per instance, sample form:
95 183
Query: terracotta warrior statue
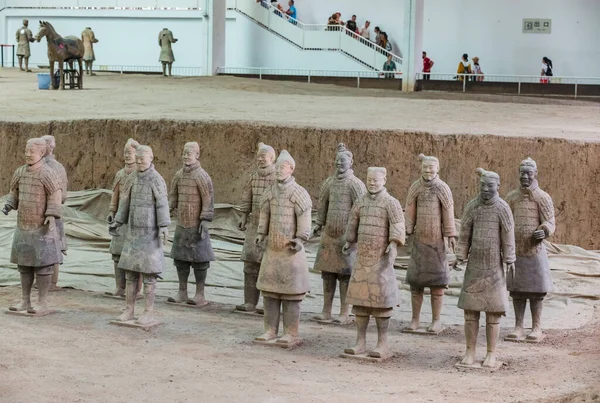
24 36
487 240
35 192
262 178
165 39
534 221
191 194
376 225
61 173
89 38
338 194
430 218
145 208
120 184
285 219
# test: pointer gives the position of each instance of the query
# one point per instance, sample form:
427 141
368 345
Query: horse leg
52 74
80 74
61 84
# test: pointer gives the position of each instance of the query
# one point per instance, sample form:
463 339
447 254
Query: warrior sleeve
174 192
265 212
94 40
29 35
323 202
357 189
53 204
116 187
546 209
411 207
466 232
447 204
205 187
246 204
122 216
396 221
507 233
302 209
353 221
162 202
13 196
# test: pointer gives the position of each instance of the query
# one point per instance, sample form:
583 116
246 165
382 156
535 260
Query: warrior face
343 162
143 160
129 155
190 156
34 153
375 181
429 170
264 158
283 170
527 175
488 187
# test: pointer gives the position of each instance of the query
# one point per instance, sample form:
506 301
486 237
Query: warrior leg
329 285
271 318
536 305
416 302
43 279
21 63
291 321
437 301
471 331
149 295
55 272
27 65
382 349
492 332
131 289
170 67
27 275
164 69
119 279
92 69
362 322
200 271
344 317
251 293
519 304
183 273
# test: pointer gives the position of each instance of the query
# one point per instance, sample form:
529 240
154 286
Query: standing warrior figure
145 208
487 239
35 192
191 194
165 39
24 36
376 224
338 194
89 38
120 184
252 255
534 221
285 219
430 217
61 173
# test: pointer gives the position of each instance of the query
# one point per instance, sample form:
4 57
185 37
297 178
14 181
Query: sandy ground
227 98
207 355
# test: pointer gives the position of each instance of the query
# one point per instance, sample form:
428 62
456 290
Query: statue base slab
423 331
33 315
250 313
524 339
274 343
132 323
365 357
334 322
186 305
479 366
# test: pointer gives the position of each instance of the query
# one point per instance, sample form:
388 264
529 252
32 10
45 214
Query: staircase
314 36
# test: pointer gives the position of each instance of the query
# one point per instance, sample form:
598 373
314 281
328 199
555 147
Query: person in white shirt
365 32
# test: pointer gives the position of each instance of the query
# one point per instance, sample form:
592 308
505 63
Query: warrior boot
130 293
271 319
471 331
26 285
149 295
183 273
416 302
362 322
437 301
54 286
251 294
43 282
519 304
329 285
492 332
291 322
536 316
198 300
381 350
344 317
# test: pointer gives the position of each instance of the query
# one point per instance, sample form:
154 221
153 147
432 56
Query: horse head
46 29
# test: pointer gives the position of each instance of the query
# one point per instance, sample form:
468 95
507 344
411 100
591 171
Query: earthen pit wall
92 153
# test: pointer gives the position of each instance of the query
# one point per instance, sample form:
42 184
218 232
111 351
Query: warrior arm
507 235
174 191
122 215
357 190
397 227
302 210
17 35
205 187
466 233
546 209
323 203
13 196
53 204
448 224
411 217
265 215
114 200
353 221
246 204
94 40
161 203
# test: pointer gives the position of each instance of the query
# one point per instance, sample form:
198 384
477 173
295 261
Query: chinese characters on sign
537 26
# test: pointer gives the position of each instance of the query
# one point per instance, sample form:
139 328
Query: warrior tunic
64 183
253 191
375 221
337 197
487 239
533 210
145 208
165 38
119 188
24 36
285 214
35 194
89 38
191 194
430 215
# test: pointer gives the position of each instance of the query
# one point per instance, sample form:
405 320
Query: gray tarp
88 266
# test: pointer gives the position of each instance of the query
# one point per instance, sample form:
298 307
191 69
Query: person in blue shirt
291 12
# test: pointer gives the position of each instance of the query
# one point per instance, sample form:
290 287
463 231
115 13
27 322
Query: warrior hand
452 243
242 223
163 232
296 245
510 267
112 228
455 265
50 221
203 229
6 209
539 234
111 217
259 240
392 246
346 248
317 230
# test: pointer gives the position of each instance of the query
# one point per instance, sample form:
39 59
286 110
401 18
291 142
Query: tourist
427 65
477 70
464 67
351 25
291 12
389 65
377 36
546 70
385 42
365 32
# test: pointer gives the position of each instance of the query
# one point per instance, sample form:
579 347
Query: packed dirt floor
207 355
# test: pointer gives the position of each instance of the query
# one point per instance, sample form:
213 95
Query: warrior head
191 153
143 157
129 151
376 178
430 166
489 183
50 143
265 155
343 159
35 150
284 167
527 172
25 23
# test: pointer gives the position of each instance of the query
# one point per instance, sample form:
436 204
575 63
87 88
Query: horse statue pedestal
71 77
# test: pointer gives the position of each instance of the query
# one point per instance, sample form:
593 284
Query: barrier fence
2 51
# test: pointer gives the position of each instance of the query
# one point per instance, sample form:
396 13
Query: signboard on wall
537 26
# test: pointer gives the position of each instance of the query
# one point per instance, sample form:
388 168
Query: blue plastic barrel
43 81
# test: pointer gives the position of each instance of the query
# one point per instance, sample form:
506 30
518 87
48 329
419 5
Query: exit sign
537 26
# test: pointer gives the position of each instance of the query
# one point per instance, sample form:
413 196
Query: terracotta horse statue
61 50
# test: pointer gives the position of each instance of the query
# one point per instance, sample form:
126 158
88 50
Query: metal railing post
309 76
576 89
260 73
358 81
464 83
519 88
